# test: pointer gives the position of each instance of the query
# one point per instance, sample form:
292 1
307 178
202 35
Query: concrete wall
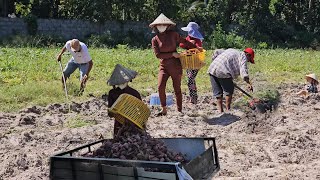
10 26
70 28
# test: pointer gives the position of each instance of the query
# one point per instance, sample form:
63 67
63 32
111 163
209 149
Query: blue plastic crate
155 100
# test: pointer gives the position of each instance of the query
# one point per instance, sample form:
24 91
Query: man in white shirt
80 59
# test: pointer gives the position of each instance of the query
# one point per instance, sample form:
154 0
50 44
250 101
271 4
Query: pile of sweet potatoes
135 144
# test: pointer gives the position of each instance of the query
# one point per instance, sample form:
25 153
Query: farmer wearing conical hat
80 60
312 87
195 37
227 65
119 79
164 45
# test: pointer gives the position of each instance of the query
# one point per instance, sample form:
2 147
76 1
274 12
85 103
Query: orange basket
192 59
131 108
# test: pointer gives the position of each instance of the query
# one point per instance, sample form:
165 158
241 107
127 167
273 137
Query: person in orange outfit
195 37
164 45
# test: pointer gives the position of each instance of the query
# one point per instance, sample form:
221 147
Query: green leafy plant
32 24
104 40
23 8
262 45
271 95
221 39
32 41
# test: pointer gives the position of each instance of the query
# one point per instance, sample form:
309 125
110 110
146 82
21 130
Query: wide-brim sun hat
251 52
192 29
162 19
313 76
121 75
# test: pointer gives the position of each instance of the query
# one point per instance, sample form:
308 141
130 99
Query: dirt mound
282 144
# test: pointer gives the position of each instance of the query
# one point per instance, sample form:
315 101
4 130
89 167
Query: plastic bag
182 173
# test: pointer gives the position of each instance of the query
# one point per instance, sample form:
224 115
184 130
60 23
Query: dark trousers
221 86
170 67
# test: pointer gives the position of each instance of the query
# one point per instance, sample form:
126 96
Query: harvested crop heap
133 144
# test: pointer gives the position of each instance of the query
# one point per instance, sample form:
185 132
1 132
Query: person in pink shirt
195 37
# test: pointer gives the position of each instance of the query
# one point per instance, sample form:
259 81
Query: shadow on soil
223 120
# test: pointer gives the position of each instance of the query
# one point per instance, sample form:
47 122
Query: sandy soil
282 144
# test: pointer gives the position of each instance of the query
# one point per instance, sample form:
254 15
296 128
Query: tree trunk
6 7
311 5
55 8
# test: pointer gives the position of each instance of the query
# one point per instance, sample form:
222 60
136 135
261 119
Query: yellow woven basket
131 108
192 59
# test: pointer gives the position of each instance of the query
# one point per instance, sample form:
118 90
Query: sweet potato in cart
201 154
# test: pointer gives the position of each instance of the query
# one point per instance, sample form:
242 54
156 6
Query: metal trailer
200 152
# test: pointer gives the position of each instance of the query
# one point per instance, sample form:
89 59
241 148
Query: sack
182 173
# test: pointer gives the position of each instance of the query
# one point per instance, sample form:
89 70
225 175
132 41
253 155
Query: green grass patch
77 122
31 76
284 65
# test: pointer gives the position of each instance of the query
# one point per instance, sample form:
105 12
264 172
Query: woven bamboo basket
192 59
131 108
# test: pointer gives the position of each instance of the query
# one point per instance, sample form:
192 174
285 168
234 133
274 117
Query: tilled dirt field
282 144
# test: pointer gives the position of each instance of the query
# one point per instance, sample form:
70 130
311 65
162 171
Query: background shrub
32 24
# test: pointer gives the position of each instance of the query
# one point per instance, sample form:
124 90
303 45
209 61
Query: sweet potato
135 144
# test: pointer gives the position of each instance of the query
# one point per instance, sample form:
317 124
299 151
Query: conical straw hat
121 75
313 76
162 19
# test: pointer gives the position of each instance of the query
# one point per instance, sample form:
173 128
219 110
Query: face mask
162 28
122 86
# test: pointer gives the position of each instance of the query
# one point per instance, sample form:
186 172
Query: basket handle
194 50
